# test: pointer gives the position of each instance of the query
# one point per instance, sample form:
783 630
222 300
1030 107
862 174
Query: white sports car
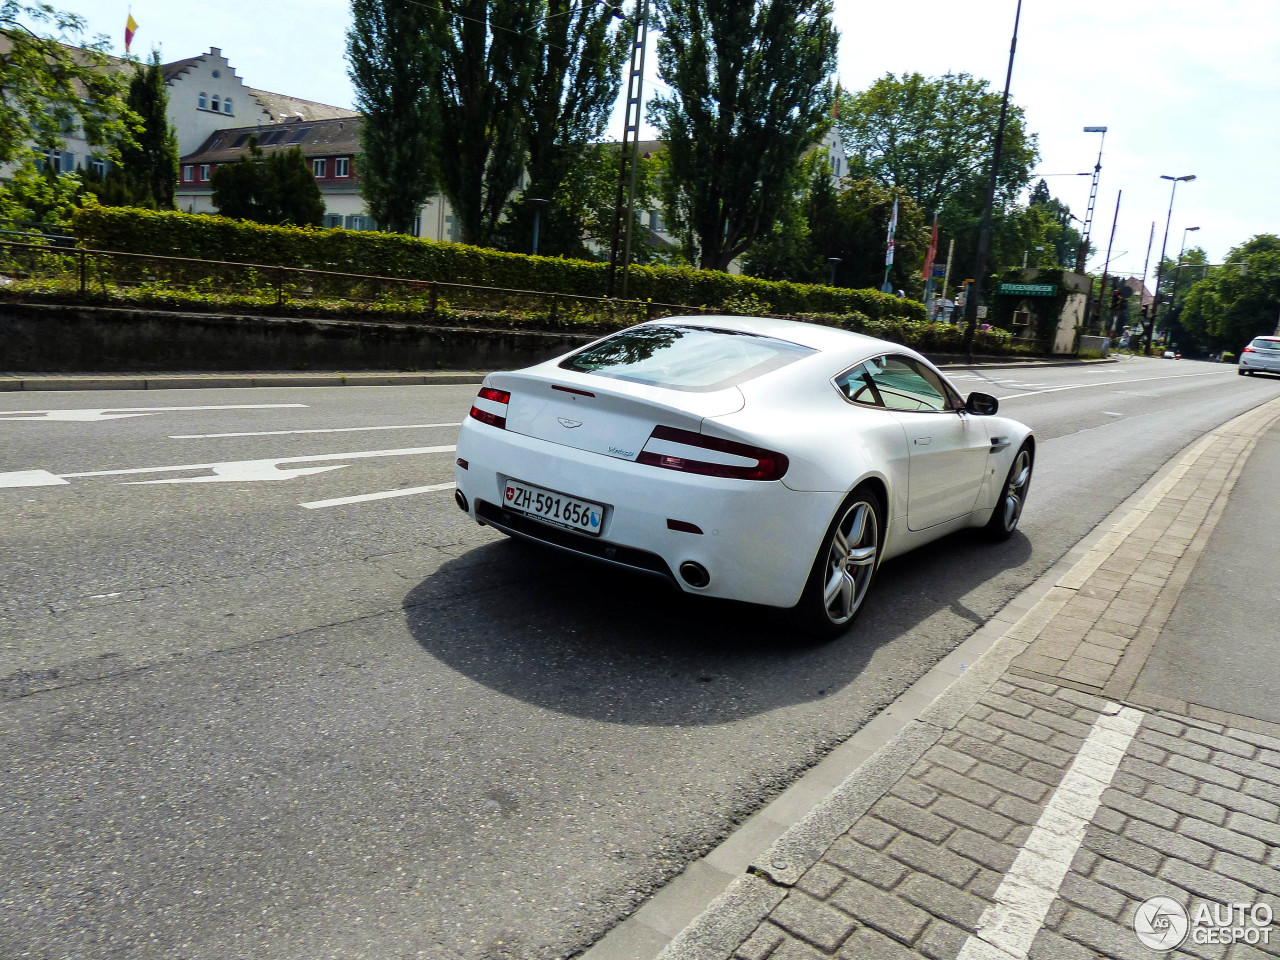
753 459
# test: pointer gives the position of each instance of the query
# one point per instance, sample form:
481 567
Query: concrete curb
710 936
177 381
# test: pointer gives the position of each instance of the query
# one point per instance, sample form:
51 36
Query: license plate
580 515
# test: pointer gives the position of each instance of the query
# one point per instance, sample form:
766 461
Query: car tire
1013 495
844 567
1242 372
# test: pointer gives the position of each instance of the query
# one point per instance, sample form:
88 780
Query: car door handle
923 441
999 443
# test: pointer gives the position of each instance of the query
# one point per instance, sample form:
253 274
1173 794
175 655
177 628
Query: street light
1093 199
984 229
835 262
1155 306
1177 271
537 203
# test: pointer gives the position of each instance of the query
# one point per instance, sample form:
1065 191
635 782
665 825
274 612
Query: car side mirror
982 404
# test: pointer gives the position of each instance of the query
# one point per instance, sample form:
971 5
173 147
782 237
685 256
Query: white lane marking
384 495
283 433
1022 901
243 472
97 415
1104 383
1111 413
30 478
41 478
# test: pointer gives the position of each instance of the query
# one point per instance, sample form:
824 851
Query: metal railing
91 274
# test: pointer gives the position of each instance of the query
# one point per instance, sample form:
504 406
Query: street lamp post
1177 271
1155 307
537 203
835 262
1093 199
984 231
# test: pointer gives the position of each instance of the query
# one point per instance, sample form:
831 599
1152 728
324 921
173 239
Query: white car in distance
752 459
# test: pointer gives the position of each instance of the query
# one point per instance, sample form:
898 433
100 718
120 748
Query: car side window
857 385
904 385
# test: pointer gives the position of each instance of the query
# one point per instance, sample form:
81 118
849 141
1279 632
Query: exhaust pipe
694 574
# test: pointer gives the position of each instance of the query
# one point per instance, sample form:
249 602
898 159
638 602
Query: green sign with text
1029 289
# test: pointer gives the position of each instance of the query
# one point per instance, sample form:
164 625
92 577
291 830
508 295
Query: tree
40 196
750 92
147 171
1239 300
275 188
486 68
52 84
932 137
580 50
849 223
391 62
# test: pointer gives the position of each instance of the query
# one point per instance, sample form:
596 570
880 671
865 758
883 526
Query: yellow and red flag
130 28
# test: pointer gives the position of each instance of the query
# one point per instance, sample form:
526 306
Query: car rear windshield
685 357
1266 343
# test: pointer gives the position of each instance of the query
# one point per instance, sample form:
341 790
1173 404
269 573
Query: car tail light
1248 350
491 407
689 452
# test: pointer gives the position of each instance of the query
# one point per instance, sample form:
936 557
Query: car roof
813 335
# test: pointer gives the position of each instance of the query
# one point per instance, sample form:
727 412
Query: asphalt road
233 725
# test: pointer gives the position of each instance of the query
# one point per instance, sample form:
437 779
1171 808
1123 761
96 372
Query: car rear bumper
758 538
1251 361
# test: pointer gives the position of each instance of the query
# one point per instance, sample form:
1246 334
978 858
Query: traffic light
1115 301
1146 307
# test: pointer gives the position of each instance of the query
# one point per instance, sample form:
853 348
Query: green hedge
392 255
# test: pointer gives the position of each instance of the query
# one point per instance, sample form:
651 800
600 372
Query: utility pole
984 232
1155 306
946 277
629 154
1083 254
1102 290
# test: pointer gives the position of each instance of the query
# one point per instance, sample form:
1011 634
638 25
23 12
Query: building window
332 220
99 166
226 106
216 74
204 171
359 222
188 172
341 167
203 101
217 104
318 167
68 162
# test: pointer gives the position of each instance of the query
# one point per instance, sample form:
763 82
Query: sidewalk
1039 801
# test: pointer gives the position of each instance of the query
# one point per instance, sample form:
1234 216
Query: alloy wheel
851 562
1015 493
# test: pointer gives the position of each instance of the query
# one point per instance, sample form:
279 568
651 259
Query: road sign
939 270
1029 289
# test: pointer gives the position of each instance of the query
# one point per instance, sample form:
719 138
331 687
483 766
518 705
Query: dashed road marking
1022 901
1104 383
97 415
284 433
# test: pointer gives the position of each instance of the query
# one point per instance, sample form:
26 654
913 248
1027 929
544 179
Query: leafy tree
1239 300
580 50
391 62
932 137
147 171
52 84
486 68
40 196
275 188
750 92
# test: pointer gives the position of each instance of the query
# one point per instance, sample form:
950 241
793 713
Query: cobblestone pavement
1033 808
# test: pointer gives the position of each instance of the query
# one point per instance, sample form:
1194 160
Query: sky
1184 88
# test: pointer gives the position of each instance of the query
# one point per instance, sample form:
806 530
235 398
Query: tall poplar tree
488 61
750 92
147 173
580 49
392 62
